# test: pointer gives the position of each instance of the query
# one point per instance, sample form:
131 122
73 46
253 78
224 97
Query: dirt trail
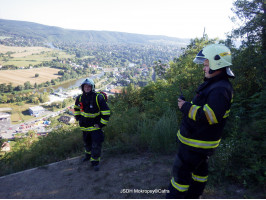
125 176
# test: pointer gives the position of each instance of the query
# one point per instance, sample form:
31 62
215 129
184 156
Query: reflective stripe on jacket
94 111
205 116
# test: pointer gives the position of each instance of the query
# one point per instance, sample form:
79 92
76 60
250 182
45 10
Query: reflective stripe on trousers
179 187
92 128
199 178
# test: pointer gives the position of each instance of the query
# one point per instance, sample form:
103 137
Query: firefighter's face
87 88
206 70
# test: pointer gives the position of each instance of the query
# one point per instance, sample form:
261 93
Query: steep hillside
50 33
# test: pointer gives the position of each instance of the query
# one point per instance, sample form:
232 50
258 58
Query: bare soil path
120 176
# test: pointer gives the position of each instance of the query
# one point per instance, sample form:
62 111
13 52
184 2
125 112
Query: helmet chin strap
211 71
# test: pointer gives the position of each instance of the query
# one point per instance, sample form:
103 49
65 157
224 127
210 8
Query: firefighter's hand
96 126
180 103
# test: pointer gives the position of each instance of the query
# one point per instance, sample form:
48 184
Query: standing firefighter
203 122
92 112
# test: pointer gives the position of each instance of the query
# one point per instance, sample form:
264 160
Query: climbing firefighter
203 122
92 113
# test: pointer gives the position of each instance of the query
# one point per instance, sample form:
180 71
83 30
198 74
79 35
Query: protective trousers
190 174
93 145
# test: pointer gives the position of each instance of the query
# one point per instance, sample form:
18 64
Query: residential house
5 147
67 119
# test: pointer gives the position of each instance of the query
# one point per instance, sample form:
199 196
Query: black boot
95 165
193 196
174 193
87 157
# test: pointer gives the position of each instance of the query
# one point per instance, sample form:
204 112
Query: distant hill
45 33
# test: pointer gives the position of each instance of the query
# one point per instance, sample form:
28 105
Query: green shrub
159 135
57 145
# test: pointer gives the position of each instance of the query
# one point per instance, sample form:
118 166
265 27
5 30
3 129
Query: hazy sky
175 18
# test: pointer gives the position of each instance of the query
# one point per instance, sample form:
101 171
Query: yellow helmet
219 56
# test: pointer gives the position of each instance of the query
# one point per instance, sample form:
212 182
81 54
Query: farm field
20 76
23 51
25 56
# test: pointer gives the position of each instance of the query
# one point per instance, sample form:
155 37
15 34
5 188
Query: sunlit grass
25 56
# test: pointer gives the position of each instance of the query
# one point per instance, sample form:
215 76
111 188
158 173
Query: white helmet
219 56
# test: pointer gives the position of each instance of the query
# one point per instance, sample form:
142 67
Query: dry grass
19 77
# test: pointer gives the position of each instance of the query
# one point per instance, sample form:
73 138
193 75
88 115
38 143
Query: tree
10 87
53 81
251 58
9 53
47 83
61 72
35 100
252 13
19 88
64 104
4 99
44 97
3 87
160 68
27 85
183 70
249 99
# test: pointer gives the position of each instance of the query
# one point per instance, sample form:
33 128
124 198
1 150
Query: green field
4 37
25 56
19 113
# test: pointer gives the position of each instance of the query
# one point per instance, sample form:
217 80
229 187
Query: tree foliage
252 14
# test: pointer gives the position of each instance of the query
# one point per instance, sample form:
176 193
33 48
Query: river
73 84
65 86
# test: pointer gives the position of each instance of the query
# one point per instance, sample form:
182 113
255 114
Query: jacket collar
208 81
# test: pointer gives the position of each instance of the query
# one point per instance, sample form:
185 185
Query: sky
174 18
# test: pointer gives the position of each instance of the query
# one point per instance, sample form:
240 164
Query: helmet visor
200 57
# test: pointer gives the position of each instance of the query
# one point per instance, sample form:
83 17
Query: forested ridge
29 33
147 118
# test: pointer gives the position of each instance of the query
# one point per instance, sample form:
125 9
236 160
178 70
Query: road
8 130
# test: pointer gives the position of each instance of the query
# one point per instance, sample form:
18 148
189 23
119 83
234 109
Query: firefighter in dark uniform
92 112
203 122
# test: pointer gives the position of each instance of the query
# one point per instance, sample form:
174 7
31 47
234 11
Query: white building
4 117
36 110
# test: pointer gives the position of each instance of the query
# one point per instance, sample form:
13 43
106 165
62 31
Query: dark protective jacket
90 109
205 117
